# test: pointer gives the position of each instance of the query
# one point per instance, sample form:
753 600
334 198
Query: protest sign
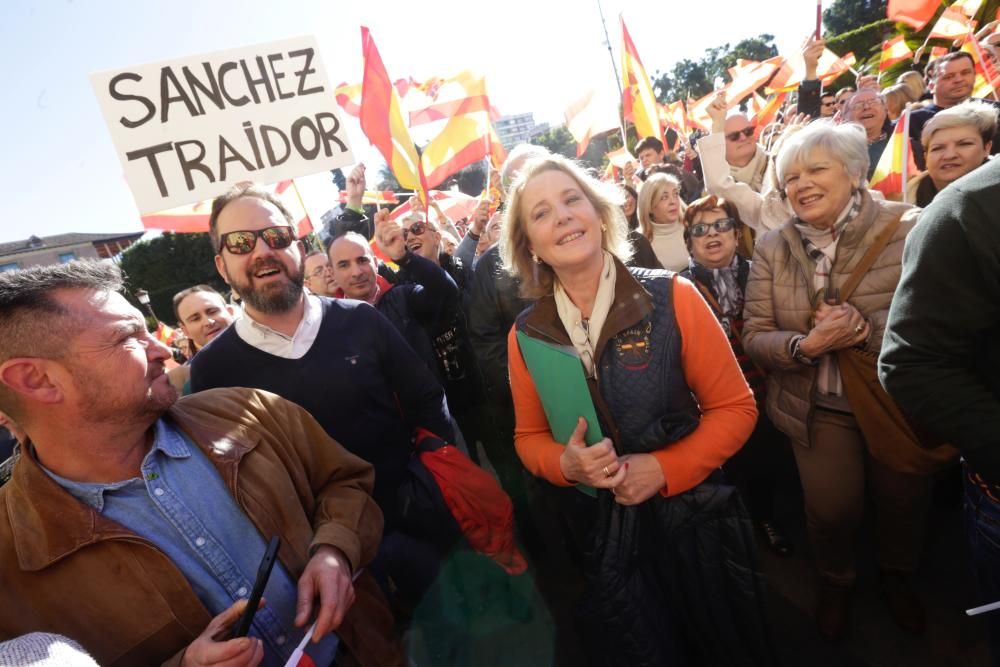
187 129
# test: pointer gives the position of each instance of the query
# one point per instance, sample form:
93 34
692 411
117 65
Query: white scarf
585 332
752 173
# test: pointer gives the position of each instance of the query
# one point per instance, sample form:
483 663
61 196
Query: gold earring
604 227
534 258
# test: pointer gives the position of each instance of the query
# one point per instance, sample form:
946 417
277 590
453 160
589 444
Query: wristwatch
797 354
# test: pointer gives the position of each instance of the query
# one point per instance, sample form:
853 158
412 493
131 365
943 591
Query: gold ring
607 473
859 328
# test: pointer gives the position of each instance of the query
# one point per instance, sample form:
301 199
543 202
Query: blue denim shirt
181 505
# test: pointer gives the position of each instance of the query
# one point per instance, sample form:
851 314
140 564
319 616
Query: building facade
518 129
62 248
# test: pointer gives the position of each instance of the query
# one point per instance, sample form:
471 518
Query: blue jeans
982 522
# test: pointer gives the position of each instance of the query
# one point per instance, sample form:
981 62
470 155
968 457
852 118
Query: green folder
558 375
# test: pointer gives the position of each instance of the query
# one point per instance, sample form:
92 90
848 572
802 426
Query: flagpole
614 68
906 150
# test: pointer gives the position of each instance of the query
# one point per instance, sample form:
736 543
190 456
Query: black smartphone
263 574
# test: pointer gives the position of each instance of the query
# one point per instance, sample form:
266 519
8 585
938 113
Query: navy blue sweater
360 380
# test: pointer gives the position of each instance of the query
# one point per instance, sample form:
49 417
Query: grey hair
516 159
33 323
846 142
980 115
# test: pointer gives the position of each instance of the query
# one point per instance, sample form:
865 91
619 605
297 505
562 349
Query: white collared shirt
268 340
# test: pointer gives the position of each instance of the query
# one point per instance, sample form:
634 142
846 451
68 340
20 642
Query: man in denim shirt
130 521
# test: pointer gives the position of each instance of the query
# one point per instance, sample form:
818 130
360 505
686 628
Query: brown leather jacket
779 303
65 568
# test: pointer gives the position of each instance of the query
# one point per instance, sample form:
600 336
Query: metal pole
614 68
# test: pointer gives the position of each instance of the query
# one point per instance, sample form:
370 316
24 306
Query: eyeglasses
318 271
721 226
417 229
243 242
864 104
746 132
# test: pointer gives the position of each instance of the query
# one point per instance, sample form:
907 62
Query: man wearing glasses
339 359
318 277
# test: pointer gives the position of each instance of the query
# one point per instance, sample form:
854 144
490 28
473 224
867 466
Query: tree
387 180
847 15
558 140
696 79
167 264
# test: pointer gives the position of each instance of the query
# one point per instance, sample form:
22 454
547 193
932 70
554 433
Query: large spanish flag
589 116
638 99
914 13
987 78
382 119
952 24
894 51
896 164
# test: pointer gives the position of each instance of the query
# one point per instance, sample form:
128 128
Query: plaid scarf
725 287
821 246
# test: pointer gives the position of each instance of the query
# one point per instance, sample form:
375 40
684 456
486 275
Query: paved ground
951 639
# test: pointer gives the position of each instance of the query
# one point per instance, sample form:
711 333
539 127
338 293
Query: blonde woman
673 405
660 213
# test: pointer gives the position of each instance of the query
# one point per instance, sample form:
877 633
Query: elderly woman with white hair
955 141
800 311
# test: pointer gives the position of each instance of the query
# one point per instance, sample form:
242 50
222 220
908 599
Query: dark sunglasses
417 229
721 226
746 132
243 243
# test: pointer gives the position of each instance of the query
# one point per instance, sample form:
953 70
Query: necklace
876 139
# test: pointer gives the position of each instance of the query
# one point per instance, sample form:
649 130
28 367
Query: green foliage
559 140
695 79
845 16
865 42
387 180
167 264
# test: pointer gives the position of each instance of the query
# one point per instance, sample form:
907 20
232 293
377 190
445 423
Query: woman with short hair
956 140
673 406
796 327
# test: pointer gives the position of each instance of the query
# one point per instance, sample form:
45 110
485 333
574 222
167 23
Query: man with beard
153 513
338 358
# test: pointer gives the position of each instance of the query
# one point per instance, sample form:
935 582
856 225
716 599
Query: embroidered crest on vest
633 346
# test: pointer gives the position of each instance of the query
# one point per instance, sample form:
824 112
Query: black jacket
940 356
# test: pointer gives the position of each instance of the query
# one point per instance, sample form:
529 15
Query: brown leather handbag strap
881 241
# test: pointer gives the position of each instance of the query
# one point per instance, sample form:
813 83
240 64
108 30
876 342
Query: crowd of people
386 405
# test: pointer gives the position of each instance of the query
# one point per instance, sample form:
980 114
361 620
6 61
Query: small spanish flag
894 51
166 334
896 164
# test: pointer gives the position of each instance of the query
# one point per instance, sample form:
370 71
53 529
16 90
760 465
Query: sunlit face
667 207
268 280
319 279
423 239
203 316
739 149
954 81
561 223
354 269
650 156
715 249
841 98
628 207
117 366
867 108
954 152
819 188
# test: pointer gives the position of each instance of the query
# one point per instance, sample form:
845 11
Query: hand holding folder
562 387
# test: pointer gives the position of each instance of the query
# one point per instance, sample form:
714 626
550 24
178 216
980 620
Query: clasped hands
836 327
632 478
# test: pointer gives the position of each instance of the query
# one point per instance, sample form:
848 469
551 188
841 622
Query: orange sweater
727 404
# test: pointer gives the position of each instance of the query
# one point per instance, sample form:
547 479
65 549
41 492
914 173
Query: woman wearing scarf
660 547
712 233
795 324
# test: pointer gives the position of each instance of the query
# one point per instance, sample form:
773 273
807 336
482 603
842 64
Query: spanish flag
638 99
382 119
952 24
914 13
589 116
987 77
166 334
968 7
896 164
769 112
894 51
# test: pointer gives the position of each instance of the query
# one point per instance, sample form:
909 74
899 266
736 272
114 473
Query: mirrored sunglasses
746 132
243 242
417 229
721 226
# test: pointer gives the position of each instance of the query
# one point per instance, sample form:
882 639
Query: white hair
847 143
516 159
975 113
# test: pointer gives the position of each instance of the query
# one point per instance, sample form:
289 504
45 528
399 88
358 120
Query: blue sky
59 167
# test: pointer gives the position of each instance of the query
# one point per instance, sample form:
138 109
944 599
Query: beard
274 298
102 401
